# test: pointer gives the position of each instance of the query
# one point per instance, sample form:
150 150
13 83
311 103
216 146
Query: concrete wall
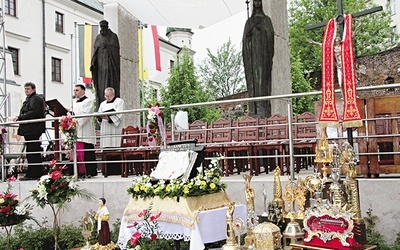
382 195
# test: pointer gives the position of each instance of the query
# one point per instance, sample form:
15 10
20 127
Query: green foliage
207 183
184 87
300 84
372 33
31 238
376 238
223 73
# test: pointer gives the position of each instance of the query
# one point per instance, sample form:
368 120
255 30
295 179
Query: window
10 7
393 39
59 22
171 64
392 6
15 59
55 69
155 94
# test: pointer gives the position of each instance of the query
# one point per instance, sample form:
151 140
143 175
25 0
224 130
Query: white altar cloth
210 227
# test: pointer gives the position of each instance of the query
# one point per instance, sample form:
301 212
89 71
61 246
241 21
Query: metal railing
11 155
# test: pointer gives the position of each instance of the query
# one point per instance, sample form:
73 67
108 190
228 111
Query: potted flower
68 128
155 126
12 211
145 231
56 190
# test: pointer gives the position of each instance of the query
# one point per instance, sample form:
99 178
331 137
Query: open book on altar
174 164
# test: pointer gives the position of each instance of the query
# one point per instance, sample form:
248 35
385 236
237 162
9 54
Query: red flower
152 131
153 236
6 209
160 114
155 216
53 187
135 238
151 138
151 126
12 178
157 104
3 131
56 175
149 106
9 195
63 184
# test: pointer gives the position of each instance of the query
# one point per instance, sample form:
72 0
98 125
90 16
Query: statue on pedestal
258 52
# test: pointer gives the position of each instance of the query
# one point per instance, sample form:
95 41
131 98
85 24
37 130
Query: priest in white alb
111 125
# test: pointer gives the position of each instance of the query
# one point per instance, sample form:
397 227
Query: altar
199 220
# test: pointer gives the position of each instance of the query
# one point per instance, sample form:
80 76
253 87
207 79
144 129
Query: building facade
41 38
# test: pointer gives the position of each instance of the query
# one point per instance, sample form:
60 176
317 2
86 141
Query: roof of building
93 4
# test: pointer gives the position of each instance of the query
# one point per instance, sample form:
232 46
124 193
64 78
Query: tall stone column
126 27
281 78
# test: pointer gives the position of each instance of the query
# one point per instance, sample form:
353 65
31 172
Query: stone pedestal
281 78
126 26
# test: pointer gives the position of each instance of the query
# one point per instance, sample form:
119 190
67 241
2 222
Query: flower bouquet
55 190
202 184
155 126
146 230
12 211
68 128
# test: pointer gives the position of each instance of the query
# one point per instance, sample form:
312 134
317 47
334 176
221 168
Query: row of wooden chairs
247 144
255 142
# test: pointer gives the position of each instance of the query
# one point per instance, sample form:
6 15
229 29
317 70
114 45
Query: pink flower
155 216
9 195
135 238
153 236
12 178
53 162
133 225
142 213
56 175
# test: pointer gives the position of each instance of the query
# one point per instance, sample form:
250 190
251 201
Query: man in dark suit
32 108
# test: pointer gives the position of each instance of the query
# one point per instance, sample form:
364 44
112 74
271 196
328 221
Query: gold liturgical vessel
323 154
230 229
87 229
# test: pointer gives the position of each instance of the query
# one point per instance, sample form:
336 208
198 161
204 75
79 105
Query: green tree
183 88
223 72
372 33
300 84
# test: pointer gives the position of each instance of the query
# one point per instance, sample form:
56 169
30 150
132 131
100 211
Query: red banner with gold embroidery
351 113
328 115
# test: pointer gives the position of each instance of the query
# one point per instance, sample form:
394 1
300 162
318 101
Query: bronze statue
258 52
105 65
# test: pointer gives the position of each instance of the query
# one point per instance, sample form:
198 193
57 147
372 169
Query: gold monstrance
323 154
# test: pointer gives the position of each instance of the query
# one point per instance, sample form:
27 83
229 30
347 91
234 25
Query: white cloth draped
210 227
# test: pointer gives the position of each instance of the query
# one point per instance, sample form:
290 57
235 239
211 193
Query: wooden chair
304 143
178 136
112 158
273 141
198 131
130 143
244 135
150 153
220 133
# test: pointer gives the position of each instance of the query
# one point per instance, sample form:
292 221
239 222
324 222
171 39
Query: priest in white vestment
111 125
86 140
